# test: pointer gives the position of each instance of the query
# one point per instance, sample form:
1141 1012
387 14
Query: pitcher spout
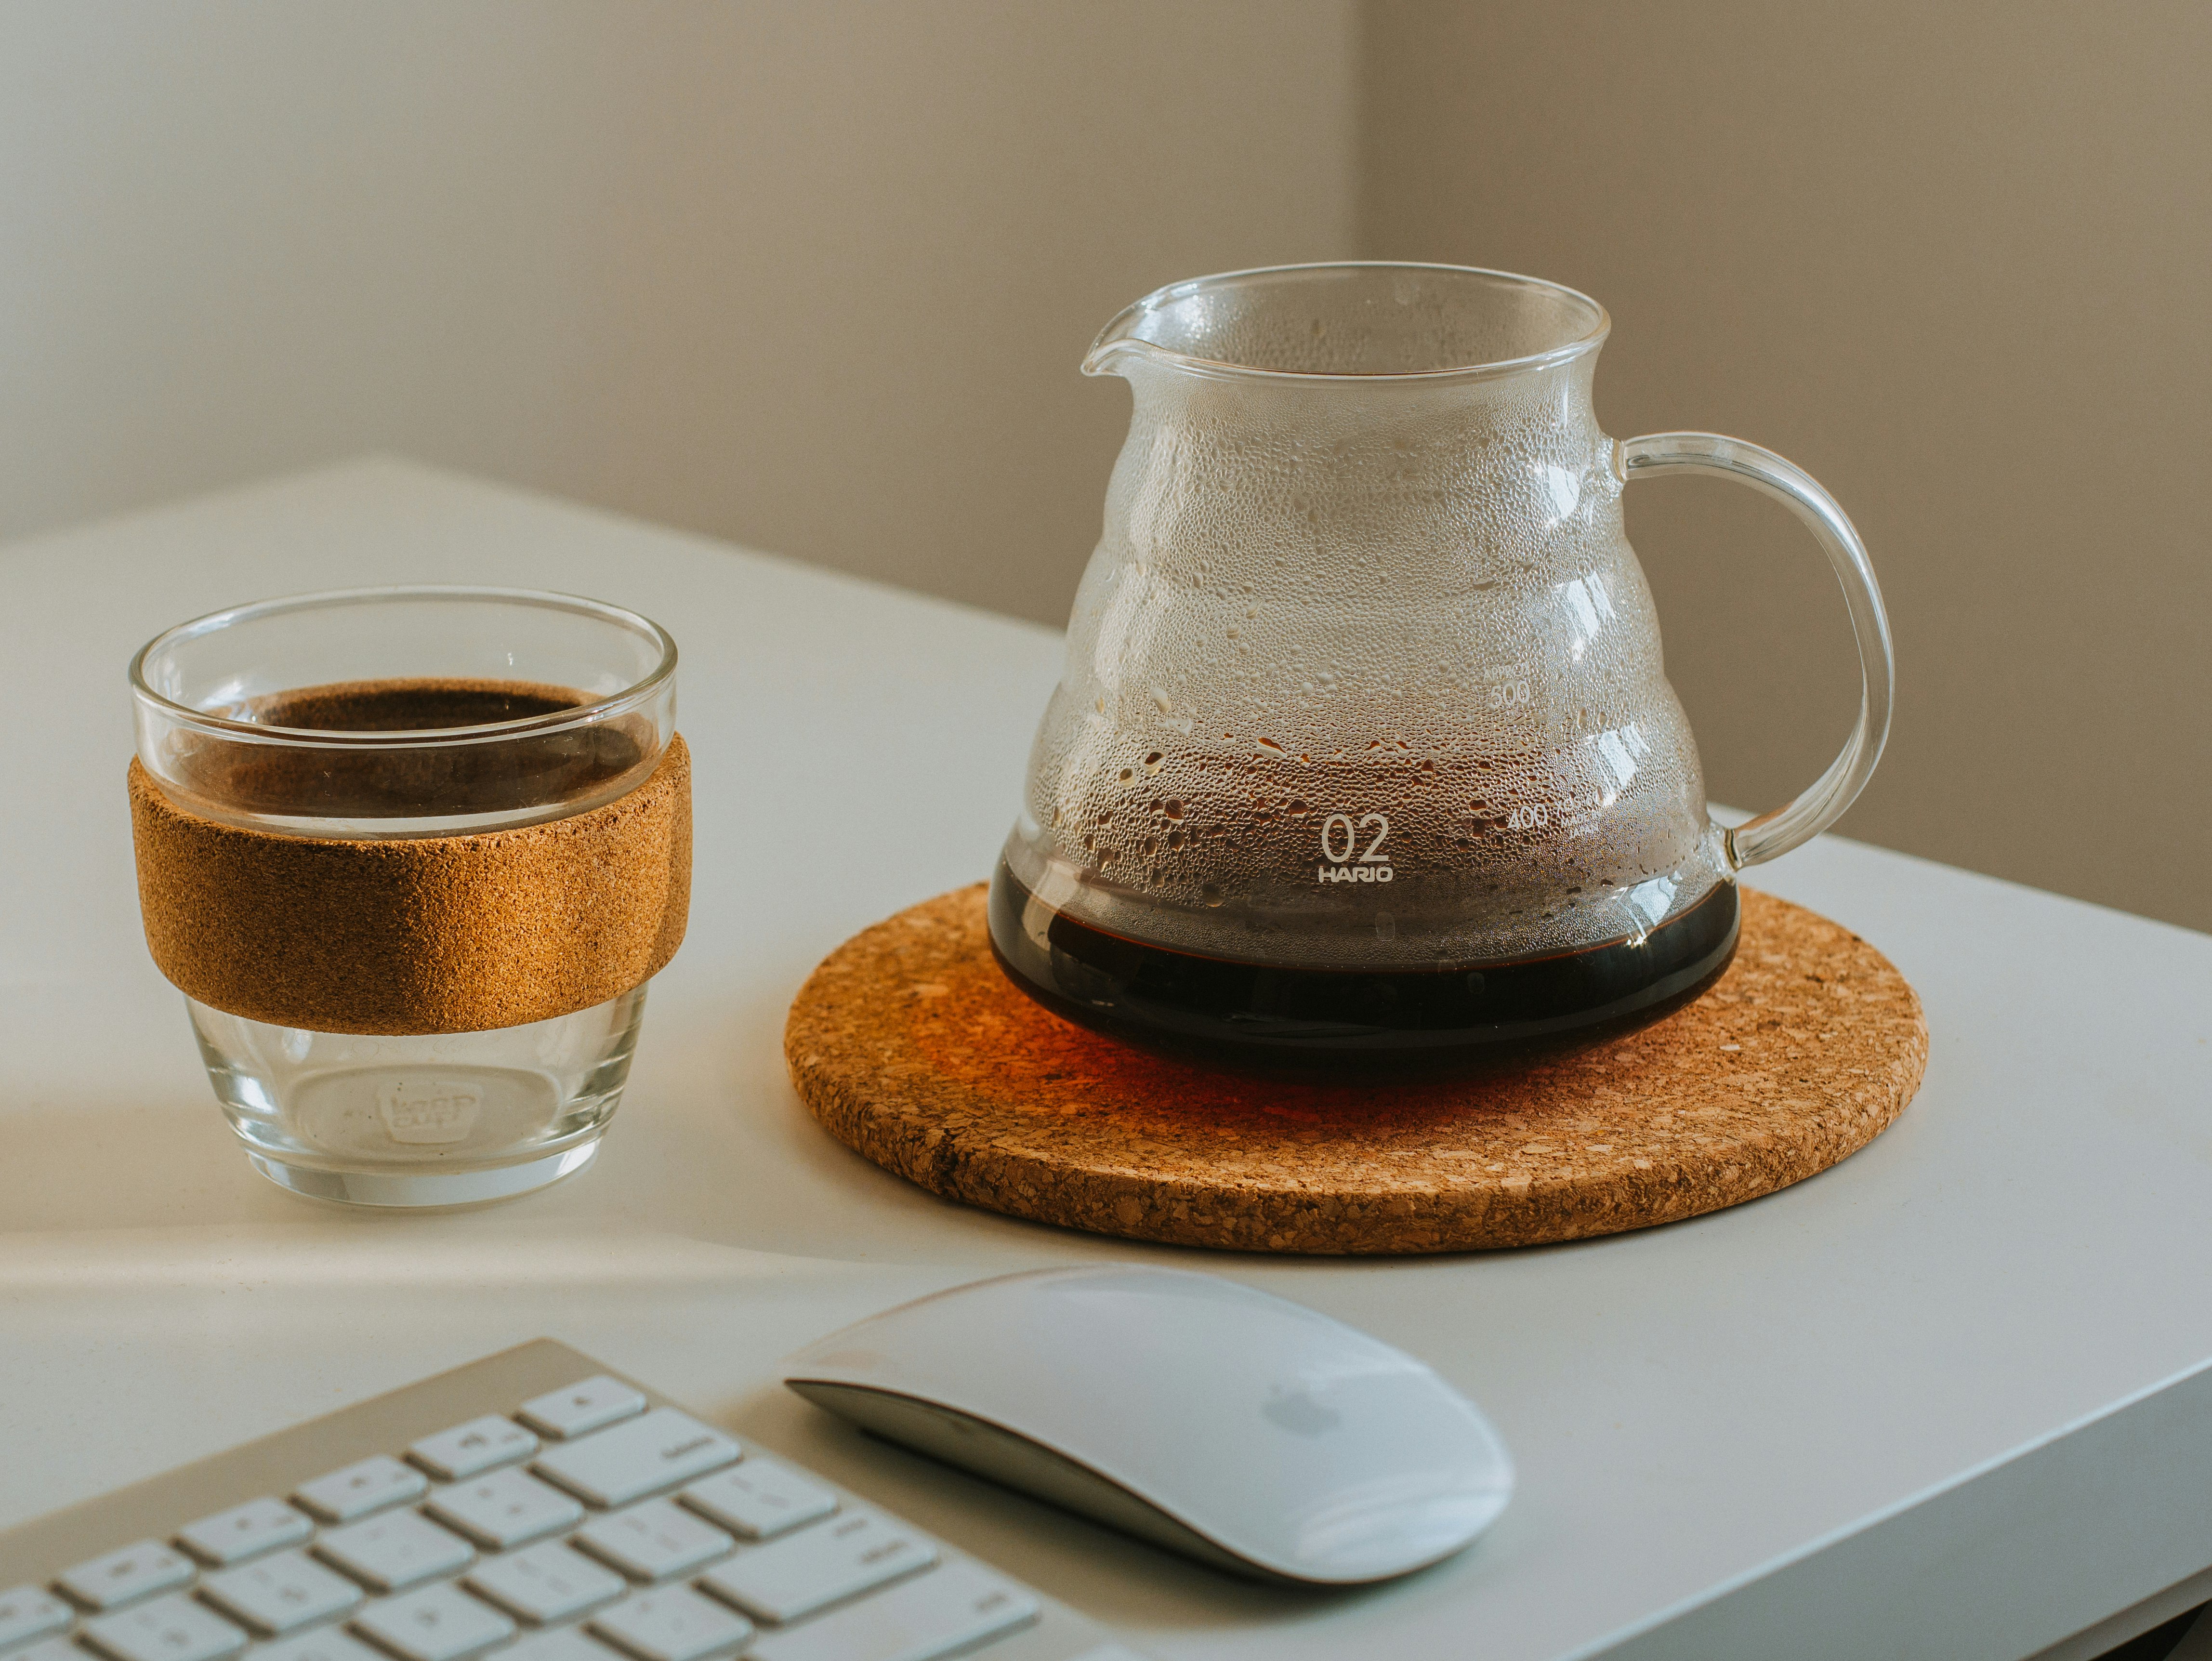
1117 342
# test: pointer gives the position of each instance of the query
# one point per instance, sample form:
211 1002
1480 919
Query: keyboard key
28 1612
243 1531
508 1508
672 1624
437 1623
123 1577
362 1488
567 1643
393 1552
821 1565
546 1582
281 1594
472 1449
930 1615
581 1407
654 1541
328 1644
53 1649
171 1628
759 1499
616 1466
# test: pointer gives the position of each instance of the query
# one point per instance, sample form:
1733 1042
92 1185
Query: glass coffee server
1364 755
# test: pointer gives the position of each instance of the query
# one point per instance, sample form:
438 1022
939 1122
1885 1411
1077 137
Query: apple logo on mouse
1296 1411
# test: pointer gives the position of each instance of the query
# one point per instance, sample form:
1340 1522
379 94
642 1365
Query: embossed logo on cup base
429 1109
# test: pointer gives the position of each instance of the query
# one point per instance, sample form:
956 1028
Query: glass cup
384 713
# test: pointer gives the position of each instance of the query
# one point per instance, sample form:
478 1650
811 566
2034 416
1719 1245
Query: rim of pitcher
1114 340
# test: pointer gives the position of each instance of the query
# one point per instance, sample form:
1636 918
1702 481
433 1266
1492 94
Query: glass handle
1816 809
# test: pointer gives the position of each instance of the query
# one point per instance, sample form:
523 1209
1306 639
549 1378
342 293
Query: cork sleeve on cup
418 934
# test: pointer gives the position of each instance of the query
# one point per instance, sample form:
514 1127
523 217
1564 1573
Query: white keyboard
532 1506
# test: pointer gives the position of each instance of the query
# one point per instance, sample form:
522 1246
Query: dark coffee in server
1269 1017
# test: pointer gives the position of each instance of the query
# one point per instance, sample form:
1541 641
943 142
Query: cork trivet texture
418 934
911 1047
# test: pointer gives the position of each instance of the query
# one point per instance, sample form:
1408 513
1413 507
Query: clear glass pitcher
1363 753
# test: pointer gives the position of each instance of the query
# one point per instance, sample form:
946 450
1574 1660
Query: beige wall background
816 277
812 274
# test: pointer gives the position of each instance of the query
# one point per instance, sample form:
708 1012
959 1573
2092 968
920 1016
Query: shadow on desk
2173 1641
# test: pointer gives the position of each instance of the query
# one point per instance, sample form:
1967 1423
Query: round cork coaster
911 1047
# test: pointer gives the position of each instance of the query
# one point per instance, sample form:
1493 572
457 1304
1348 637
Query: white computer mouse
1240 1429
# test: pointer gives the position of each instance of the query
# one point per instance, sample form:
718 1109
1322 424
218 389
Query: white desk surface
1949 1399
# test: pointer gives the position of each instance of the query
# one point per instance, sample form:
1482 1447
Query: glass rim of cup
598 710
